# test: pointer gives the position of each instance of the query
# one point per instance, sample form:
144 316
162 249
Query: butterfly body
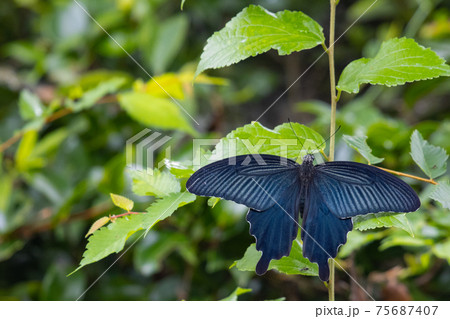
306 169
277 190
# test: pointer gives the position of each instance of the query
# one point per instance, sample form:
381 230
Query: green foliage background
72 97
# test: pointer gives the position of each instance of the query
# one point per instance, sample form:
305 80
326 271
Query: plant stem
332 78
431 181
331 280
114 217
11 141
330 52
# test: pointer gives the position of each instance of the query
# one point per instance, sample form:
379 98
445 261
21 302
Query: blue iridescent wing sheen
276 227
246 179
322 232
351 189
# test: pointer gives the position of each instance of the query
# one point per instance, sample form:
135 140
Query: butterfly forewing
351 189
246 179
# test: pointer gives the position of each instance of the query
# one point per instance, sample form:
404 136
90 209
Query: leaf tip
122 202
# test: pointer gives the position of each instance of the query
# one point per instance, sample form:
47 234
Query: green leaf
97 225
168 205
30 105
6 189
357 239
320 109
398 61
407 241
50 142
25 148
441 193
91 79
256 30
182 4
154 111
371 221
122 202
158 183
90 97
442 250
33 153
179 169
294 264
151 252
56 286
417 264
25 159
431 159
169 38
237 292
111 239
212 201
35 124
282 141
359 144
9 248
439 216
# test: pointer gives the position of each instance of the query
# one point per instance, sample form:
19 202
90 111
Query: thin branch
114 217
57 115
431 181
52 117
8 143
47 224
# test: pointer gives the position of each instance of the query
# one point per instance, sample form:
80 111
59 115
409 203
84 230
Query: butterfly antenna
295 133
339 127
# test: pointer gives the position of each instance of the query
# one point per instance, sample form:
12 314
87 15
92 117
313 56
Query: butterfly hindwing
351 189
322 232
245 179
276 227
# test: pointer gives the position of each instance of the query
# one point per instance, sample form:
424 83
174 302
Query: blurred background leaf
63 131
